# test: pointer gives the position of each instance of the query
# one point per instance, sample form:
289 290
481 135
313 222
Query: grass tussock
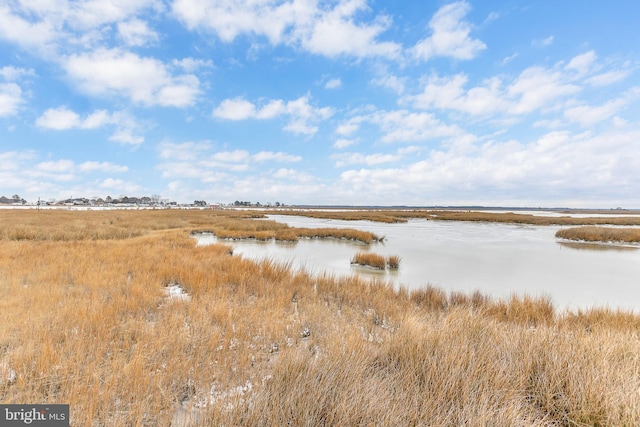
376 261
88 322
601 234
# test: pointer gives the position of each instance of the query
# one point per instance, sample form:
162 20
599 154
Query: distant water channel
496 259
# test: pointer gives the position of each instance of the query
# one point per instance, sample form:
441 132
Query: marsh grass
601 234
370 260
395 215
393 262
376 261
86 321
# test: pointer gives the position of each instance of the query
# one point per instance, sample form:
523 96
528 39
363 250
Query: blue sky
360 102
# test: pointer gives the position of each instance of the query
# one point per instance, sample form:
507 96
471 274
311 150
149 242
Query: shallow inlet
496 259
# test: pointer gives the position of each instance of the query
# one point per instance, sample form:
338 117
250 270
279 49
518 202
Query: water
496 259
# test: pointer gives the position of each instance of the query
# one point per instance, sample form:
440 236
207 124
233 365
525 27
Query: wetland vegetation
601 234
87 320
376 261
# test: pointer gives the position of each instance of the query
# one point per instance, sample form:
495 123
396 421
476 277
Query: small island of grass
376 261
601 234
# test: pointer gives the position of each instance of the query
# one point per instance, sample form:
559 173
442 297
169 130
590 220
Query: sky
340 102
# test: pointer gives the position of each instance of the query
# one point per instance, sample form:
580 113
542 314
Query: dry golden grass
601 234
86 321
376 261
394 215
393 262
370 260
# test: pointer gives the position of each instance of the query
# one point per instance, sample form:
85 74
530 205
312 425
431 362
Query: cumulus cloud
10 99
16 28
11 73
345 159
582 63
270 156
327 31
301 114
333 84
588 115
62 118
402 126
534 89
391 82
50 27
558 165
146 81
449 35
608 77
120 186
136 32
344 143
101 166
201 160
191 65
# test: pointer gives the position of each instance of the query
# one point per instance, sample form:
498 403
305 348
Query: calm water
497 259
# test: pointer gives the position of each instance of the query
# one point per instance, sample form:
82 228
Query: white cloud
49 27
350 126
11 73
232 18
200 161
59 119
235 109
345 159
391 82
191 65
120 186
557 166
335 33
62 118
300 112
185 151
582 63
55 166
136 32
449 93
402 126
126 137
10 99
607 78
588 115
333 84
101 166
270 156
344 143
19 30
321 30
293 175
547 41
450 35
535 88
146 81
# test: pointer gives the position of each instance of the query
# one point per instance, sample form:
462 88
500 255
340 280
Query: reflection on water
589 246
497 259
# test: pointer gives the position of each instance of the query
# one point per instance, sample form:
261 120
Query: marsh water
496 259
